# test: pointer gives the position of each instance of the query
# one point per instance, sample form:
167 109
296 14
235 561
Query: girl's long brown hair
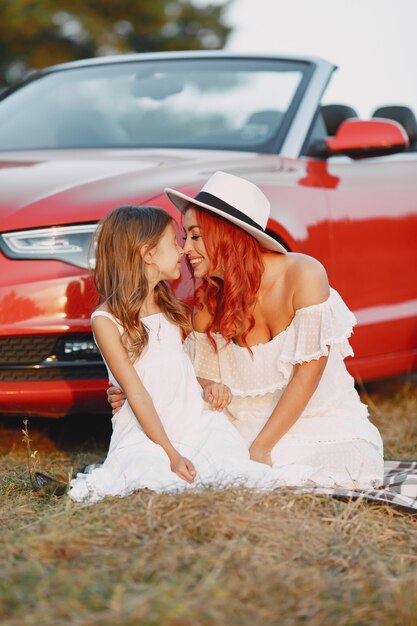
119 273
231 300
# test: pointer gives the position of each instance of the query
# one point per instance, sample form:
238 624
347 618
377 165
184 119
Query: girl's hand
217 395
182 467
116 398
260 455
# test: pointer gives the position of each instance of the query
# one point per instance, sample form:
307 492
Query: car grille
26 349
46 357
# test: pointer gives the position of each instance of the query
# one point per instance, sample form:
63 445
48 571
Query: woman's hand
116 398
217 395
259 454
182 467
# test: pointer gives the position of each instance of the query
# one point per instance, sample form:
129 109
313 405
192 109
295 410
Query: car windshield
229 104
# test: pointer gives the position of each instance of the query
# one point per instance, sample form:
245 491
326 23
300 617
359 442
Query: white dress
220 455
333 435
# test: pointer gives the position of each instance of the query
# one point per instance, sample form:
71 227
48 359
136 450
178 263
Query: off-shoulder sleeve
204 358
314 329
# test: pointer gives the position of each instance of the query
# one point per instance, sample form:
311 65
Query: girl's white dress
333 435
219 453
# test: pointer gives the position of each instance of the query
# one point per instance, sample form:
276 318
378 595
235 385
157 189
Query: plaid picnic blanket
399 487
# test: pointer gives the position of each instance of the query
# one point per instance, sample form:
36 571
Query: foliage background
38 33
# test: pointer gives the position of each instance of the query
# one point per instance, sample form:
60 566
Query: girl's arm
310 287
116 357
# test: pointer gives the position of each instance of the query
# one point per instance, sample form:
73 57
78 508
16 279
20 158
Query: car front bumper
55 398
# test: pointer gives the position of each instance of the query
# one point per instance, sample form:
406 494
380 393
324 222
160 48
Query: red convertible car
79 139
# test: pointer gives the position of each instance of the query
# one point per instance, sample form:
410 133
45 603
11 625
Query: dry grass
230 558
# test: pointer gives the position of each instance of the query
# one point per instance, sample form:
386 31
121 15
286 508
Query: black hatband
214 201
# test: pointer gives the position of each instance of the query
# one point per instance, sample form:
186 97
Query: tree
37 33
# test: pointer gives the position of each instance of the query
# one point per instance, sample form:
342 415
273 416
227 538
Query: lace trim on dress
310 335
314 329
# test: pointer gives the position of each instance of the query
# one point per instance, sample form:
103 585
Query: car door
373 211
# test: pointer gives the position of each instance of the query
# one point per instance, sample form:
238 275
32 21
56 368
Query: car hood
44 188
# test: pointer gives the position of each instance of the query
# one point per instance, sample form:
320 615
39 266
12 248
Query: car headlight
71 244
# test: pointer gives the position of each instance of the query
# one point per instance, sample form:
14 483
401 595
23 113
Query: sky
373 42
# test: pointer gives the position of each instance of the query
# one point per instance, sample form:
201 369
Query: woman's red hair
231 300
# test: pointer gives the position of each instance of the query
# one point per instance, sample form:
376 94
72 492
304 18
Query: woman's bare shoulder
302 264
303 276
309 277
294 264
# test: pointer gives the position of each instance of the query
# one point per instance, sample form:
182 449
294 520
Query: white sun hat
236 200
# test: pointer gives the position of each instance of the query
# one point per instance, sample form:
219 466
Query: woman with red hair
268 326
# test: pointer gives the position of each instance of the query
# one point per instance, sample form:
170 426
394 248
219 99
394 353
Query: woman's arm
116 398
217 395
116 357
289 408
310 287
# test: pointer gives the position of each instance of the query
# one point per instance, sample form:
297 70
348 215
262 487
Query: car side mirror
358 139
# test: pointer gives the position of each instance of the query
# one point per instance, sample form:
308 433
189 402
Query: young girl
163 438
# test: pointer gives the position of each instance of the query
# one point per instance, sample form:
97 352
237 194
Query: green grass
228 558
